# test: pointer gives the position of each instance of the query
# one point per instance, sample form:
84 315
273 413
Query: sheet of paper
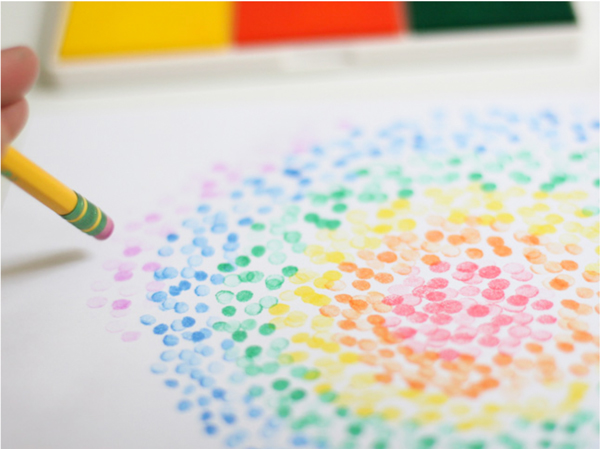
354 275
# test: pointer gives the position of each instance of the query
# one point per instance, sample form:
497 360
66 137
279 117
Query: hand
19 71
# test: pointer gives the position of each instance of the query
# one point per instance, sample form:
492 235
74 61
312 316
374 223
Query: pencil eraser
107 231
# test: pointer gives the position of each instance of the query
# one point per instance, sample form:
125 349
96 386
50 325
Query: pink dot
527 290
524 276
399 289
493 295
489 272
463 275
392 321
151 266
468 267
541 335
517 300
513 268
448 354
152 218
519 331
392 300
121 304
428 329
440 335
502 320
451 306
411 300
469 291
450 293
127 266
511 341
498 284
474 280
123 275
488 328
546 319
418 317
433 307
437 283
132 251
542 304
488 341
403 310
100 286
115 326
440 267
130 336
405 332
441 319
110 265
436 296
413 281
464 335
478 311
96 302
523 318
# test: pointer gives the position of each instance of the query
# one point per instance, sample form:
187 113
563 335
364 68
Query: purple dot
130 336
152 218
132 251
96 302
123 275
151 266
121 304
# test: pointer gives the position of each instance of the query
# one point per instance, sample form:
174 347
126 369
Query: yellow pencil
50 191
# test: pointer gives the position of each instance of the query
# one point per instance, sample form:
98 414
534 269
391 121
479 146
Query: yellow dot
407 224
318 300
554 219
331 347
491 408
364 411
390 413
372 242
436 399
314 250
505 218
315 342
322 388
433 192
303 291
320 282
400 204
302 337
428 416
335 257
578 195
295 319
525 211
486 219
356 216
321 323
279 309
540 195
541 207
299 356
385 213
348 357
332 275
494 205
382 229
457 217
287 295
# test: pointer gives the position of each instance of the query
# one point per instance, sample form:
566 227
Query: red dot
463 276
433 307
467 267
488 328
392 300
436 296
440 267
546 319
502 320
440 335
492 295
499 284
441 319
404 310
542 304
405 332
517 300
437 283
421 291
489 272
478 311
451 306
449 354
418 317
488 340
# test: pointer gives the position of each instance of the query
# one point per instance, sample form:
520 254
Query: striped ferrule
87 217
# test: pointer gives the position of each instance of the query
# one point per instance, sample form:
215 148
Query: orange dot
584 309
591 276
384 278
582 336
392 241
553 267
347 267
347 324
346 340
366 344
456 239
579 370
569 265
383 378
534 348
330 310
361 285
402 268
569 304
359 305
584 292
387 353
495 241
559 284
376 320
502 251
474 253
591 358
430 259
343 298
565 347
387 257
531 240
415 384
365 254
489 383
471 235
574 249
434 236
364 273
502 359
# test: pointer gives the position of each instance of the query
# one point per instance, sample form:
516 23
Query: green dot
239 336
576 156
292 237
280 384
365 197
224 296
380 445
571 428
268 301
285 359
219 325
590 211
520 178
405 193
299 248
270 367
274 245
329 396
547 187
228 311
257 227
321 223
252 370
274 281
340 194
248 324
279 344
312 374
232 280
253 351
319 199
225 267
277 258
354 429
266 329
362 172
253 309
242 261
544 443
244 296
454 161
475 177
333 224
488 187
297 395
339 208
559 178
341 411
232 326
284 411
298 371
597 182
289 271
449 178
256 391
258 251
252 276
426 442
311 218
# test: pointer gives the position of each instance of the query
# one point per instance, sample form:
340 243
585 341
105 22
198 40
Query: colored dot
475 177
242 261
228 311
273 282
188 321
244 296
258 251
339 208
280 384
488 187
225 267
224 297
170 340
160 329
266 329
297 395
289 271
253 351
239 336
201 307
147 320
257 227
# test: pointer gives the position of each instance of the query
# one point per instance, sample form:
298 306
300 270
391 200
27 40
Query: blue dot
254 412
199 230
184 285
158 296
186 354
200 275
190 223
187 249
207 351
210 429
168 304
207 251
200 242
229 418
194 360
194 261
237 194
299 440
147 320
187 273
189 389
219 228
168 355
182 368
202 290
172 383
231 246
217 279
205 416
206 332
237 378
181 307
201 307
247 221
227 344
198 336
203 401
203 208
177 325
160 329
188 321
159 368
264 210
187 335
169 273
233 237
215 368
207 382
172 237
165 251
196 374
170 340
174 291
184 405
